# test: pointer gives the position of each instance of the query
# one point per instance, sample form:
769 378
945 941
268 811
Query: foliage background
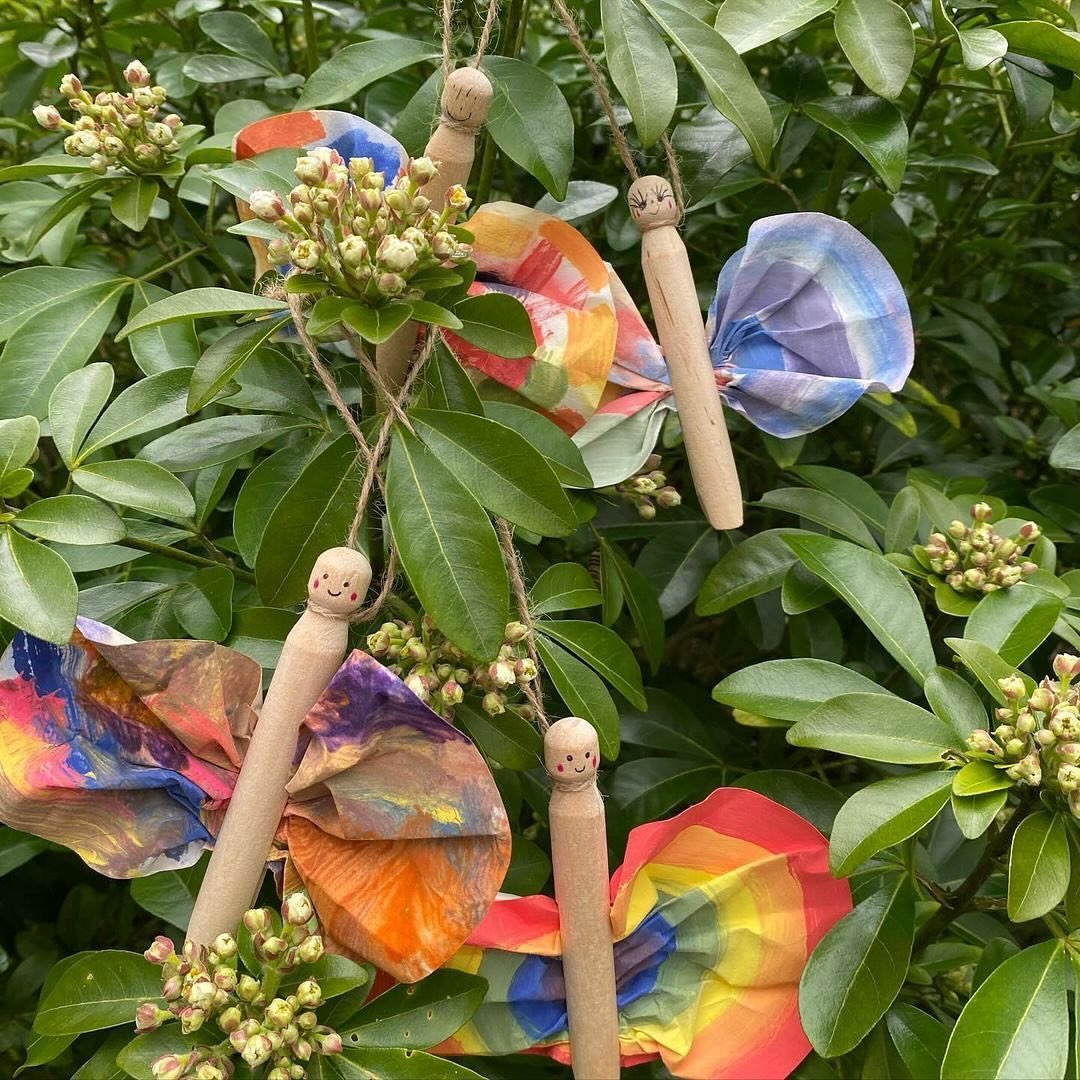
957 158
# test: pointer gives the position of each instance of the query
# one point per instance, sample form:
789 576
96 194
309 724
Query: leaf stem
311 43
187 557
103 47
169 265
172 197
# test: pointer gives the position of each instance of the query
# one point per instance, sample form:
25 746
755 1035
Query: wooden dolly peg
312 654
466 99
579 862
673 296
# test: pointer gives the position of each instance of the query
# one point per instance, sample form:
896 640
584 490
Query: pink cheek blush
560 768
353 596
315 583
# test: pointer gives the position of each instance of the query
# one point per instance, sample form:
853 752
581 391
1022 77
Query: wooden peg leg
670 282
579 863
313 652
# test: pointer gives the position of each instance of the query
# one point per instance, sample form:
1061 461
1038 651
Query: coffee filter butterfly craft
713 913
127 753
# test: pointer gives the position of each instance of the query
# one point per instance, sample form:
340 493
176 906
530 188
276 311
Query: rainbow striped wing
122 750
394 823
714 914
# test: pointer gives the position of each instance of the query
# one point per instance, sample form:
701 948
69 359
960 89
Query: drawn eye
586 753
325 576
660 194
639 202
344 584
569 757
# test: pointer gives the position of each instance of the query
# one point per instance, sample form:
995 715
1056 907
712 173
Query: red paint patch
290 130
353 597
560 768
315 583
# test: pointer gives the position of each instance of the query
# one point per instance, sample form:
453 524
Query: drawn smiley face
339 581
571 751
652 202
466 97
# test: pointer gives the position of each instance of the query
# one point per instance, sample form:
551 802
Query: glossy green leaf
531 123
154 402
71 519
823 508
561 454
18 441
138 1056
877 592
448 548
74 198
30 290
239 34
582 691
980 778
1038 866
603 650
388 1063
1016 1025
17 848
37 591
133 201
675 564
213 68
163 347
376 324
497 323
99 990
874 127
749 23
1042 41
727 82
918 1037
751 568
563 587
200 304
817 802
210 442
649 788
855 973
530 867
74 406
1014 622
981 46
507 739
1066 452
223 360
500 468
203 604
643 605
314 513
142 485
954 700
350 69
876 37
848 488
640 67
975 813
884 813
170 895
877 728
791 689
986 666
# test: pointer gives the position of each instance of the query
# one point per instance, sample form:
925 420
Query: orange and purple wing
714 914
122 750
394 823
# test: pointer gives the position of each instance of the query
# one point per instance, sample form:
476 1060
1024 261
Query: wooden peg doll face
652 202
339 581
571 751
466 97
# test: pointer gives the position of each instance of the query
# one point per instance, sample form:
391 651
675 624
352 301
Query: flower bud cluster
647 489
114 129
441 675
1037 738
204 989
974 559
368 238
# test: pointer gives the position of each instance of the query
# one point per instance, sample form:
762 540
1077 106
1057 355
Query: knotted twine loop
532 690
447 13
370 455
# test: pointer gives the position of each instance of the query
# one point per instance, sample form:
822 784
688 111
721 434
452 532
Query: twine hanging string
485 32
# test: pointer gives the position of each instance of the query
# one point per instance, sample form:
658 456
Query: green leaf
142 485
918 1037
876 37
18 441
877 728
823 508
448 548
727 82
17 848
160 348
882 814
675 564
224 358
221 438
561 454
74 406
239 34
37 590
386 1063
139 1055
1043 41
73 198
500 468
27 292
133 201
1066 452
855 973
99 990
563 587
755 566
877 592
954 701
214 68
313 514
872 126
529 870
350 69
817 802
203 604
336 975
531 123
649 788
507 739
1016 1025
980 778
975 813
497 323
981 46
376 324
643 605
848 488
446 385
791 689
170 895
583 692
71 519
199 304
418 1016
749 23
151 403
640 67
51 344
986 666
1038 866
1014 622
603 650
